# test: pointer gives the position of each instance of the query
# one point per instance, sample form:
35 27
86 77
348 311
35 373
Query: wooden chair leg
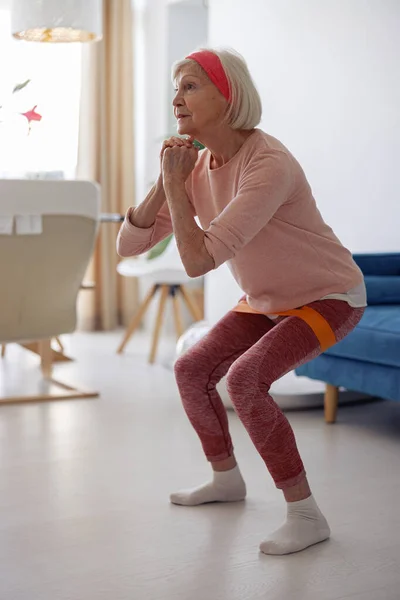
59 344
134 324
192 306
177 314
57 356
61 391
331 402
159 320
3 350
46 356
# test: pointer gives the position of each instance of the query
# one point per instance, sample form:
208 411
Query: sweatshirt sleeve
264 186
132 241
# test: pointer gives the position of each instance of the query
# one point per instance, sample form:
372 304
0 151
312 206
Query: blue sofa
368 359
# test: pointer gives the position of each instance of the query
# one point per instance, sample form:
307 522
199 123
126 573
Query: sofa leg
331 402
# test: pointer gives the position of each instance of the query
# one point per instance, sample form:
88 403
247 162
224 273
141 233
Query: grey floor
84 495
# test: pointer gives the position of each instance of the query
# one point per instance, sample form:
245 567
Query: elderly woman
303 291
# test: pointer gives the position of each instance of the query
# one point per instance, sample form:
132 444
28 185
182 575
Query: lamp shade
57 20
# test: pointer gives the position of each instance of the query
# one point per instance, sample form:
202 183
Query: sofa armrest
379 263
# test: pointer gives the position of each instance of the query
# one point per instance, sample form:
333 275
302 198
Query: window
55 74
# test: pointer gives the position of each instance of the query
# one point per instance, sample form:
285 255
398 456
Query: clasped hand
178 158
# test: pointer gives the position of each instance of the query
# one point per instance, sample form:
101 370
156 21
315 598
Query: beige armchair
47 235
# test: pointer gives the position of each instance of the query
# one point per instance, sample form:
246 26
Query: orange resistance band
318 324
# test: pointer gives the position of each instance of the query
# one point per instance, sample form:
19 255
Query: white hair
244 110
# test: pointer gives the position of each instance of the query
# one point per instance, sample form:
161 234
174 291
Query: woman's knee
184 367
245 379
194 367
238 380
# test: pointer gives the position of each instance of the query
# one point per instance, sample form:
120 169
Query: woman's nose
178 100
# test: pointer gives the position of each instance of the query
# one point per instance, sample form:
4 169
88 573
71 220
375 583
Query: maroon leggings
255 351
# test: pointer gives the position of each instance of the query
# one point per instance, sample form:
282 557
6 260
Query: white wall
328 74
150 93
164 31
187 29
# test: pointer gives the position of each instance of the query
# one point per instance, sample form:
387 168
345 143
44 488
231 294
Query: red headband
214 69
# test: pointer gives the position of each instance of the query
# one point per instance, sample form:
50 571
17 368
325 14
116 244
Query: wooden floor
84 491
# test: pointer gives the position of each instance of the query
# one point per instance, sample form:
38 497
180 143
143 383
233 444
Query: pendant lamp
57 20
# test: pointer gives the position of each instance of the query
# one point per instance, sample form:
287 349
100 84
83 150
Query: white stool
169 278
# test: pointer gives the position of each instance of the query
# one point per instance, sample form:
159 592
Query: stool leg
177 312
159 320
3 350
46 358
193 308
331 402
134 324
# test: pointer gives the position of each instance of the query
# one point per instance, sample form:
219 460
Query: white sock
305 526
226 486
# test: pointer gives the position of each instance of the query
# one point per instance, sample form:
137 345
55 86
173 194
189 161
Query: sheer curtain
106 156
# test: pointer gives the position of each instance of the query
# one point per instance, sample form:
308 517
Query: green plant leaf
198 145
159 248
21 86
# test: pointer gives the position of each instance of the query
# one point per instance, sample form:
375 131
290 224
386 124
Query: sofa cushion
382 290
376 380
376 339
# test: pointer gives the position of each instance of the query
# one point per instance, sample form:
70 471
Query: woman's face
198 105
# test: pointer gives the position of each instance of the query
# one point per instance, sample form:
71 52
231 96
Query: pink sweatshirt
258 214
